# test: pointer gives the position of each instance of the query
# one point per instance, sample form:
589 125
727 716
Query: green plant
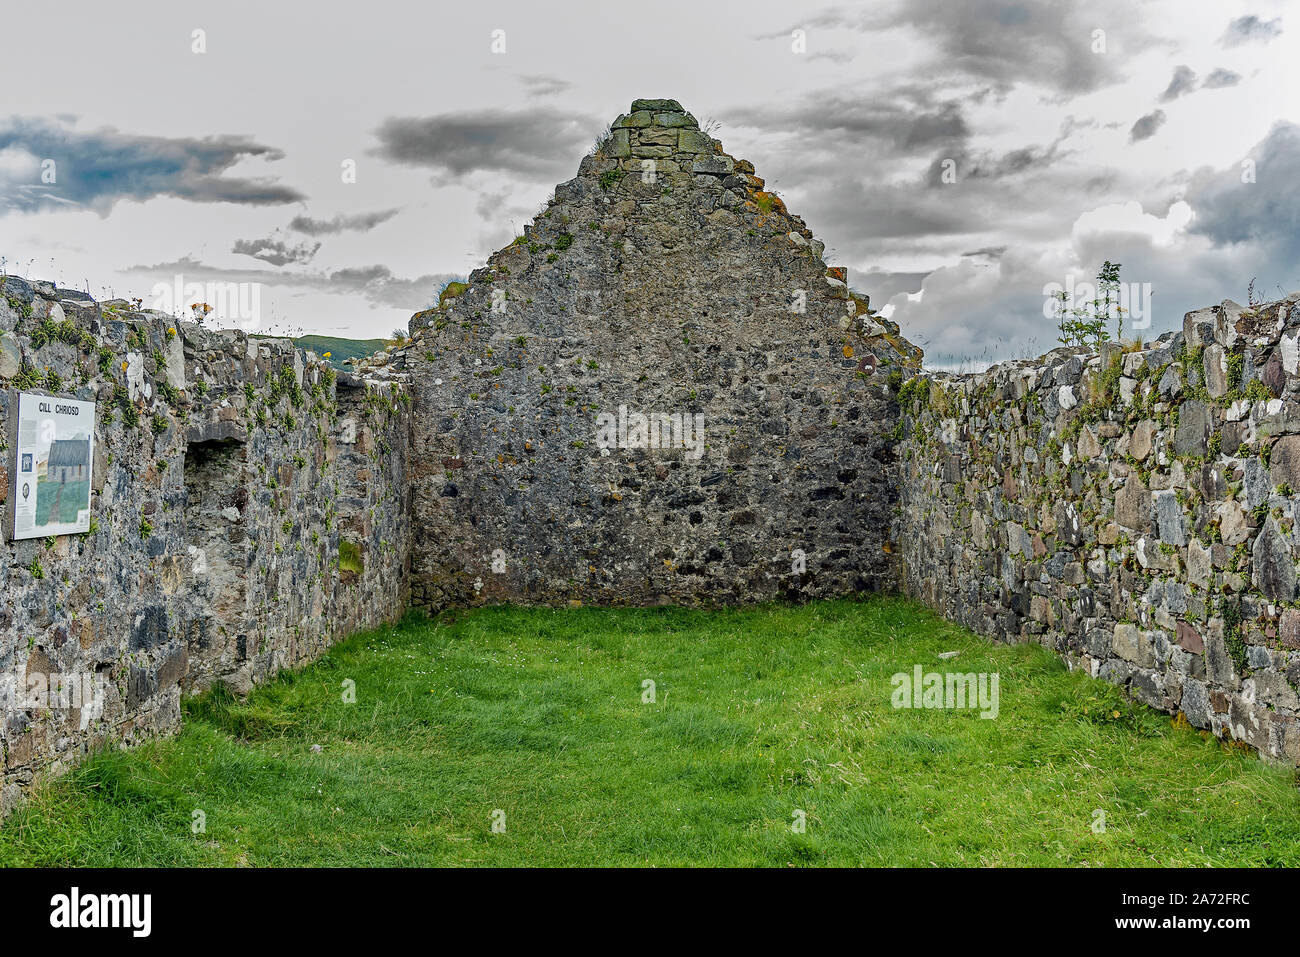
130 414
27 377
915 389
451 291
1230 611
1256 391
1236 365
1084 323
350 557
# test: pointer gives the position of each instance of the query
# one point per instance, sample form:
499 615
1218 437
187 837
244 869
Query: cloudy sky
956 156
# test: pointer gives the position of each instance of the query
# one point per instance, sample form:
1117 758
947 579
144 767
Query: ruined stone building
659 393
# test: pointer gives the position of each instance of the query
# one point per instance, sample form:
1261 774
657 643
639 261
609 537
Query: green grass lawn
759 713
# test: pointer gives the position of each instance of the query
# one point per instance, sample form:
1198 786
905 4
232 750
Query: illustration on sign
53 458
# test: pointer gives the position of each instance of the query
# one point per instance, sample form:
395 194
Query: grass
340 349
758 713
72 497
350 559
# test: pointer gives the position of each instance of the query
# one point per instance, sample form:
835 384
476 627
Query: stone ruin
230 473
1133 510
659 393
662 280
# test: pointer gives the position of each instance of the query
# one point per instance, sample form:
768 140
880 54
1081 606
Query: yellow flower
328 354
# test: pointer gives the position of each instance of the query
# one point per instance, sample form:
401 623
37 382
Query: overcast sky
1064 146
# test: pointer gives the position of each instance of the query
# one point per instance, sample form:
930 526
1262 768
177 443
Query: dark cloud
379 285
907 120
376 284
849 208
1004 42
361 222
99 168
882 284
1146 126
277 252
867 172
1220 78
1183 81
972 164
1249 29
971 313
531 144
541 86
988 252
1264 212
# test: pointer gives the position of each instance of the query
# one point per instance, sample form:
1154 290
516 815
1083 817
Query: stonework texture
1134 510
659 393
662 280
228 471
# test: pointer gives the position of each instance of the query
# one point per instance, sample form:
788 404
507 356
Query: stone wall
1135 511
229 471
662 280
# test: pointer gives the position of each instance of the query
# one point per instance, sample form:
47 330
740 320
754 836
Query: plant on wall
1084 323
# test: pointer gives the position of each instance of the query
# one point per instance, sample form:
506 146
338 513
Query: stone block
693 141
671 106
1284 462
676 120
619 145
1189 639
1272 567
1195 420
638 119
1131 644
1133 505
717 165
1215 362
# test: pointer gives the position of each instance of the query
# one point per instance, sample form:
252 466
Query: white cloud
1129 219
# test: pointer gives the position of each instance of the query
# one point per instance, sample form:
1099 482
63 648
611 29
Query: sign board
54 446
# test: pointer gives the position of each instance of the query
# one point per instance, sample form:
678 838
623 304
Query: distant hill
340 349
